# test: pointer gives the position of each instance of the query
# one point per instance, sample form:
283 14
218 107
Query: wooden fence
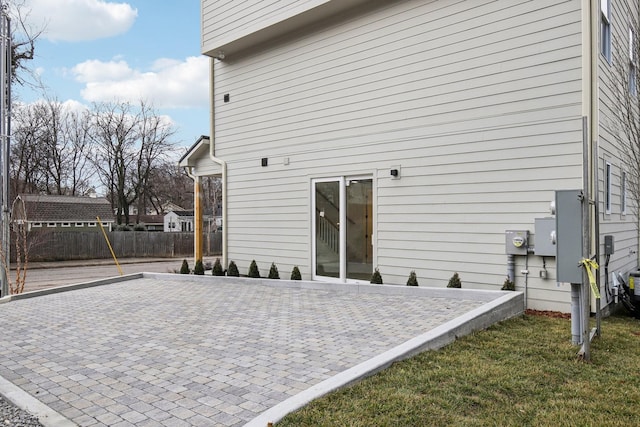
59 246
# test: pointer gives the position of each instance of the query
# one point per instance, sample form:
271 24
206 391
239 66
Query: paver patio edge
72 287
23 400
484 295
502 308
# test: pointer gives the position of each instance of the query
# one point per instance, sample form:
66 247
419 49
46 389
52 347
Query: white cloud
77 20
168 83
94 70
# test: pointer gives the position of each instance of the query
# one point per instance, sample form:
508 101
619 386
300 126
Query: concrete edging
23 400
502 308
483 295
72 287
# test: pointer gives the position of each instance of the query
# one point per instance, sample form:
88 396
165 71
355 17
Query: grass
522 372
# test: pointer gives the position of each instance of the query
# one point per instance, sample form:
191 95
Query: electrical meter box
544 244
516 242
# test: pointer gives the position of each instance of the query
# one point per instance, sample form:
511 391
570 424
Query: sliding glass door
343 228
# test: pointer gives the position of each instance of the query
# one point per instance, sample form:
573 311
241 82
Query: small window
633 85
92 224
607 188
66 224
605 29
623 193
36 224
51 224
79 224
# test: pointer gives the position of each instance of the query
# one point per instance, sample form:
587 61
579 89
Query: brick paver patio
157 351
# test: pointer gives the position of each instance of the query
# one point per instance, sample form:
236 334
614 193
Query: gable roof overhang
197 159
196 152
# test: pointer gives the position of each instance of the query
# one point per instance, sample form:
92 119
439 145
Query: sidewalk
96 262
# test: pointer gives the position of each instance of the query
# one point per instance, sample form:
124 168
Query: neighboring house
164 208
183 221
412 135
62 213
178 221
151 222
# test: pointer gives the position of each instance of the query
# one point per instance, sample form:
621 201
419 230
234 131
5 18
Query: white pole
5 129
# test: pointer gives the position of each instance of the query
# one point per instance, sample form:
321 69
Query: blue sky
125 50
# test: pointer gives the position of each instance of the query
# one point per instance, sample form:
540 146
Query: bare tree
155 135
168 183
25 165
64 146
21 246
212 195
23 43
49 150
129 143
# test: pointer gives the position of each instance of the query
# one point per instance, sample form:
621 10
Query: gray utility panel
569 235
543 240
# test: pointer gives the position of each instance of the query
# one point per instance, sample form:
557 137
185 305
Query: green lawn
522 372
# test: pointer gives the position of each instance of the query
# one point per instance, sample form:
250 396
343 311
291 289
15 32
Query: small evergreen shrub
185 267
217 268
273 271
253 270
123 227
139 227
413 280
295 273
376 277
198 269
232 271
508 285
454 282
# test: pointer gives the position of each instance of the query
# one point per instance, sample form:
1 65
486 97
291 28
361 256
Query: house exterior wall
224 20
171 223
619 223
70 225
478 103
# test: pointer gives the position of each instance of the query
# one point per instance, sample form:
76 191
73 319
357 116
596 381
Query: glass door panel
327 226
343 228
359 223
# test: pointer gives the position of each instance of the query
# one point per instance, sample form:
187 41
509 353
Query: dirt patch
548 313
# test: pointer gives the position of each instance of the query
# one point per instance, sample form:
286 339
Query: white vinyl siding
623 17
242 25
234 19
485 125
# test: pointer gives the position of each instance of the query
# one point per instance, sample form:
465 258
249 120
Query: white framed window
633 86
607 188
92 224
51 224
36 224
623 193
79 224
66 224
605 29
